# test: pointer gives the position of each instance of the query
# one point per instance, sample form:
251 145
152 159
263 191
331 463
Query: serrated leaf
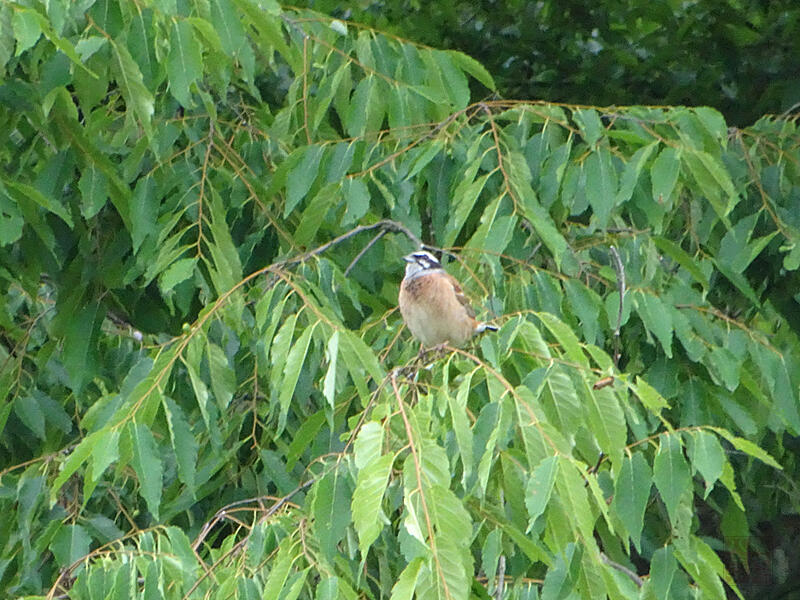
652 400
70 544
183 442
565 336
357 198
368 518
332 356
184 61
461 429
464 199
301 176
30 413
587 306
539 488
223 379
294 364
228 25
713 180
404 587
147 464
177 272
93 185
129 78
368 445
656 318
747 447
632 171
601 184
473 67
671 473
677 254
631 493
707 457
590 125
80 344
104 452
331 510
664 174
27 30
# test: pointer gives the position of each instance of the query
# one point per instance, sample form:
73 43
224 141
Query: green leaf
184 62
671 473
29 192
183 442
227 24
25 24
104 452
70 544
590 125
332 356
93 185
656 318
143 212
747 447
664 575
664 174
543 224
601 184
281 564
177 272
147 464
223 379
404 587
301 176
565 336
651 399
473 67
465 197
707 457
30 413
357 199
458 414
714 181
294 364
677 254
368 518
631 493
11 220
129 78
368 445
76 459
587 306
331 510
539 488
80 344
632 171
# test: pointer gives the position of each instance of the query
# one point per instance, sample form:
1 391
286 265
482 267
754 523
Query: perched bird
433 305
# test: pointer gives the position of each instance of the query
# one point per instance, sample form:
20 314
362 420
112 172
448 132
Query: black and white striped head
421 262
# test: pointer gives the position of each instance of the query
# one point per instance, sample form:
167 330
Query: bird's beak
409 258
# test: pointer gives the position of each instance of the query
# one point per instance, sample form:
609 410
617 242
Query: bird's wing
462 299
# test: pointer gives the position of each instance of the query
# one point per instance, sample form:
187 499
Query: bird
433 305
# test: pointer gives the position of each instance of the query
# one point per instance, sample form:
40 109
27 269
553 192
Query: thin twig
371 243
386 224
622 569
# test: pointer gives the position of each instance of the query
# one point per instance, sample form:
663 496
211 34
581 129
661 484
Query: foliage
206 390
739 57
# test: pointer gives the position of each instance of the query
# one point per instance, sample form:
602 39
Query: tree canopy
207 391
739 57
